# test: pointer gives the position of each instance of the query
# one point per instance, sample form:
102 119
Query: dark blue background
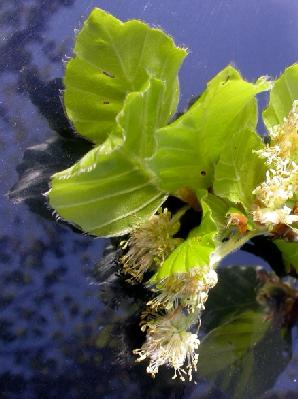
49 308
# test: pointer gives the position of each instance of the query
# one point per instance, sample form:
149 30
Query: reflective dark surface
68 324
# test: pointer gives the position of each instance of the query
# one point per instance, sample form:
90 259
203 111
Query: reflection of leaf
228 342
234 293
112 59
284 92
243 356
46 97
41 161
38 164
241 353
289 253
111 189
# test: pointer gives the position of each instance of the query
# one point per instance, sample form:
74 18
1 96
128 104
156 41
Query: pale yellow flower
280 216
189 290
284 137
150 244
277 194
280 186
169 343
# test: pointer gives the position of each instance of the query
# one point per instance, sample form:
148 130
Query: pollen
149 244
284 137
189 290
277 195
169 343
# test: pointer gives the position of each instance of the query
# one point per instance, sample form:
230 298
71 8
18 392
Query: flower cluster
277 195
178 305
169 343
179 299
189 290
149 244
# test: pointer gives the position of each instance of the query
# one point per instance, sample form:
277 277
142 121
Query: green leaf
214 219
203 241
112 59
208 224
217 210
194 252
239 169
214 224
282 96
110 190
188 148
197 249
289 253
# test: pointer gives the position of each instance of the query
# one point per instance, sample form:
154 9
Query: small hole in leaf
108 74
203 173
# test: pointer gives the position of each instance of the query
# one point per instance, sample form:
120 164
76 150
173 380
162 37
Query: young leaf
284 92
216 208
289 253
239 169
204 244
197 249
188 148
112 59
208 224
192 253
110 190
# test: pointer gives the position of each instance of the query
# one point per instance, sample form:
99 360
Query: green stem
230 246
180 213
